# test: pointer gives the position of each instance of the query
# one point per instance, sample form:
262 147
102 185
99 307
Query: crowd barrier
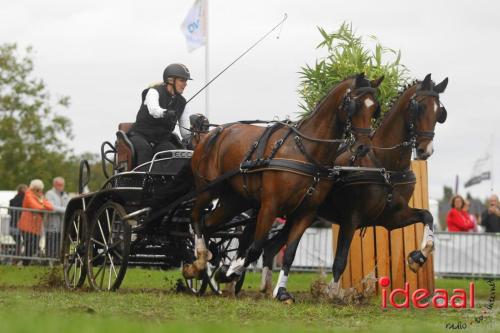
456 254
43 243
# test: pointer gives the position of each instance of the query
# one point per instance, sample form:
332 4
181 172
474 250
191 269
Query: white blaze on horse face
368 102
430 148
436 107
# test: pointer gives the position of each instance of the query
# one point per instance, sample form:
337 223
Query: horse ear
441 115
375 83
442 86
426 84
360 79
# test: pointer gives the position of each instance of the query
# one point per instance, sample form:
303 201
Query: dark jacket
491 222
158 129
17 201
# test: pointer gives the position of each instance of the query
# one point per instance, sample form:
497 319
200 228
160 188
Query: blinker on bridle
415 110
352 105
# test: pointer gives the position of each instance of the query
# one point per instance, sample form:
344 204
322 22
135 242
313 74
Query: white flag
194 26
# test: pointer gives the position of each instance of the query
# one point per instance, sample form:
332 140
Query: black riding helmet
176 70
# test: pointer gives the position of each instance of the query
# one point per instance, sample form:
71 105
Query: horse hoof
189 271
416 259
221 275
284 296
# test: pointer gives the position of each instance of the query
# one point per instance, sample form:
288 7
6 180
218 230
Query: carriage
140 217
142 214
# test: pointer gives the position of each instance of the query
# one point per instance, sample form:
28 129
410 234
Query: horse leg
190 271
346 233
298 227
267 215
271 248
409 216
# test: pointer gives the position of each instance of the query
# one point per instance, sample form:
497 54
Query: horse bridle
415 112
352 105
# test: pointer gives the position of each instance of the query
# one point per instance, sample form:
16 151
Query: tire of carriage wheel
73 251
108 247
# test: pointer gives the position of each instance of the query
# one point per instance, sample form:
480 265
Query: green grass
146 303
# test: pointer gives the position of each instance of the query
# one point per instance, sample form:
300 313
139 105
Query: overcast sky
103 53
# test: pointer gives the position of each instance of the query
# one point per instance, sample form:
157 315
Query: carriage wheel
74 265
108 247
226 250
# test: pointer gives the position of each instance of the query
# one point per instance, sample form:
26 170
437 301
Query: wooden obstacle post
385 253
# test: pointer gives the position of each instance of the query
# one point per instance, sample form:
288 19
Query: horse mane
395 99
364 82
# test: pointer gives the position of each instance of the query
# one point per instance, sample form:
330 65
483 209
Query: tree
32 134
348 55
444 206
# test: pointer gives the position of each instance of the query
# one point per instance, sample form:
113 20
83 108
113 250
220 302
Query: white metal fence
467 254
24 247
456 254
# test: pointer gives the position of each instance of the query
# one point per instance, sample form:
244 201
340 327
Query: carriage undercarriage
142 218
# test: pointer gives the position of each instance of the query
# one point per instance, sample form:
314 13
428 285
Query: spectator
491 217
53 225
472 218
458 219
30 222
17 201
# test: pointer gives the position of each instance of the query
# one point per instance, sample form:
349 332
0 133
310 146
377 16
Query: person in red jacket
30 223
458 219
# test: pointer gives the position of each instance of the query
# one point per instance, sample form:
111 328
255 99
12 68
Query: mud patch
359 294
53 278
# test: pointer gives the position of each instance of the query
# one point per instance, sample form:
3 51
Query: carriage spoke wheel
227 250
108 247
74 264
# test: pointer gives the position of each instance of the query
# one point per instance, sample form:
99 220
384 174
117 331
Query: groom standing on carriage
161 108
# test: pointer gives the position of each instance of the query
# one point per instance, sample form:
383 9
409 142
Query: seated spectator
30 222
53 225
472 218
458 219
490 219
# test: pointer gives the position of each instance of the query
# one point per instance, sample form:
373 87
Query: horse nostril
420 151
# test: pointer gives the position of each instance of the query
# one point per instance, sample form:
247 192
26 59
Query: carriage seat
125 153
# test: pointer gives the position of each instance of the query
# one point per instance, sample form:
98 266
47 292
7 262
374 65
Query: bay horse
292 179
373 201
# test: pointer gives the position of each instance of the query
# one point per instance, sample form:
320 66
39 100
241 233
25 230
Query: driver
161 108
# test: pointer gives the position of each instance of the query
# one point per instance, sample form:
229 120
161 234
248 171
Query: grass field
147 302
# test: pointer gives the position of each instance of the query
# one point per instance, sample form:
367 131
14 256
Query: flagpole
207 77
492 162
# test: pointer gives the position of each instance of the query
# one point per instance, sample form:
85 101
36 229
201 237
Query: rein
414 109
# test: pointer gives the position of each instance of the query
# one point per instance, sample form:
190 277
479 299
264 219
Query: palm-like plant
348 55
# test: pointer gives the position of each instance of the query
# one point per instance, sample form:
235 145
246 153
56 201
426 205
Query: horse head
360 106
425 110
199 128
